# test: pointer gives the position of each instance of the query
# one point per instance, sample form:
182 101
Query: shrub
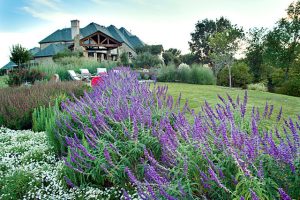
124 59
258 87
17 104
125 132
240 75
183 66
146 60
167 73
67 53
22 75
195 75
201 75
291 87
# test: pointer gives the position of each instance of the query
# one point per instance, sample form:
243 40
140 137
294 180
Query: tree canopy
19 54
204 29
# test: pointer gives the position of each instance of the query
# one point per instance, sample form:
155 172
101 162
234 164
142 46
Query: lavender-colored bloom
283 195
266 110
279 114
260 172
271 111
231 101
126 195
131 176
107 157
244 105
254 195
69 182
242 198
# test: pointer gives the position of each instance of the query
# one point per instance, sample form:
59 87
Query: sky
166 22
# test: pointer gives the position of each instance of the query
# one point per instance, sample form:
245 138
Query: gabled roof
134 40
121 35
116 33
61 35
51 50
9 65
34 50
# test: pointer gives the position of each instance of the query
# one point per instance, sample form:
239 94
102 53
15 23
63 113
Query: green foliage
3 81
124 59
282 43
240 75
17 104
291 87
146 60
152 49
189 58
254 55
195 75
204 29
172 56
67 53
22 75
224 46
19 54
16 185
44 119
257 86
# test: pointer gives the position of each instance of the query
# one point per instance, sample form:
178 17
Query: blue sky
167 22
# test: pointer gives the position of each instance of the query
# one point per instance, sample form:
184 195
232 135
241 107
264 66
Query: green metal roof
9 65
34 50
51 50
121 35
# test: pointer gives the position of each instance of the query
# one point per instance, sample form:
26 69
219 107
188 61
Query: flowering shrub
30 170
257 86
123 131
183 66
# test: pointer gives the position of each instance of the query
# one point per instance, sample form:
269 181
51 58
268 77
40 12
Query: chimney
74 28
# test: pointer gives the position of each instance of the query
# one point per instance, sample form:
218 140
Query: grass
197 94
3 83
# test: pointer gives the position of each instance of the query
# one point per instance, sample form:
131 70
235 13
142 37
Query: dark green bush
146 60
17 104
22 75
291 87
240 75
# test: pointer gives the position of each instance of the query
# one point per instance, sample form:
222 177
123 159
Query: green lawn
3 81
197 94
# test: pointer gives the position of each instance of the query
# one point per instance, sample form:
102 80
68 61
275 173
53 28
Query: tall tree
254 55
19 54
224 46
203 31
282 43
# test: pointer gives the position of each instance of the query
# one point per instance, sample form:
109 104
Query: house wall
43 60
126 48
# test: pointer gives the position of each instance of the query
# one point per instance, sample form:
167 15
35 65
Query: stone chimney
74 28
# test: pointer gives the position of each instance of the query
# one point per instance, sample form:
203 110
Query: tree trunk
229 74
286 75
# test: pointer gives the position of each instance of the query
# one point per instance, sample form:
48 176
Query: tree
172 56
146 60
204 29
282 43
19 55
224 46
153 49
189 58
124 59
255 50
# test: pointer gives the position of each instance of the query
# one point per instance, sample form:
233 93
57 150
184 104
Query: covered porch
101 47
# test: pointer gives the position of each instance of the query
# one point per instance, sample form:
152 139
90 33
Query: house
94 40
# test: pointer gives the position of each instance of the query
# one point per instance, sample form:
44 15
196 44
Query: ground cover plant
29 169
126 134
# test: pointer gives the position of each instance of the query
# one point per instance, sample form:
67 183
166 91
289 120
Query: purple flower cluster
116 121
